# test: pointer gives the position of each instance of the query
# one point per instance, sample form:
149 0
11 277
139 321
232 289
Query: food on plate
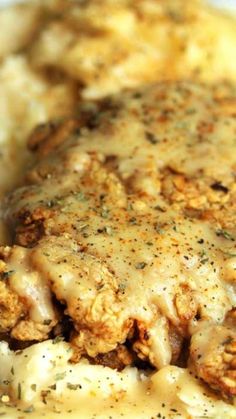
118 237
107 45
124 234
56 52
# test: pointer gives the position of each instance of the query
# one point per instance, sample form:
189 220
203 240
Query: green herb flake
140 265
6 382
60 376
204 260
203 257
47 322
29 409
225 234
182 125
190 111
175 16
59 201
122 287
229 254
71 386
133 221
83 227
58 339
105 213
46 254
227 341
33 387
80 196
19 391
158 229
53 387
151 138
6 275
159 208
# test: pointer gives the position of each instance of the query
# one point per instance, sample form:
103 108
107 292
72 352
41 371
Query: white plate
226 4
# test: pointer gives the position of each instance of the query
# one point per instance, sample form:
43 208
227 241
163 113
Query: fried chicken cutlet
126 226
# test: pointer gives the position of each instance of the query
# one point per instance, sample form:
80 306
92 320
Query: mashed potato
108 45
44 384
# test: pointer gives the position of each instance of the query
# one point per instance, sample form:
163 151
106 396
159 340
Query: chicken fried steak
126 227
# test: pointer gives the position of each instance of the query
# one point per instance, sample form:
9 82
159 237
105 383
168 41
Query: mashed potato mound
41 381
108 45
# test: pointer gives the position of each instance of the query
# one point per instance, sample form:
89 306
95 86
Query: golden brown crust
11 308
213 352
119 221
27 330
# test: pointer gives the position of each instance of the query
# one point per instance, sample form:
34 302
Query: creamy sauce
85 391
118 249
82 390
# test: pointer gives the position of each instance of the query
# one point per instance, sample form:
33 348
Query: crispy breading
65 51
26 309
27 330
11 308
124 260
213 352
